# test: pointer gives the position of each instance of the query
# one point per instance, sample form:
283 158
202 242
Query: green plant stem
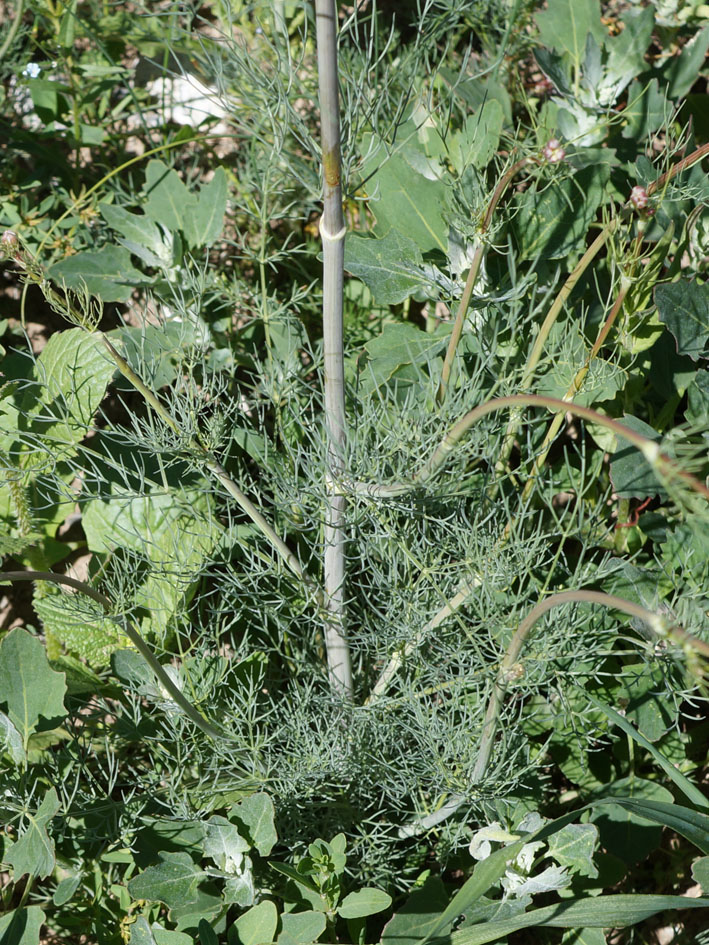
566 290
332 231
213 465
572 390
649 449
133 635
473 273
14 27
510 670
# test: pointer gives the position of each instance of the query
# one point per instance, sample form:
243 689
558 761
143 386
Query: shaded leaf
21 926
107 273
28 686
169 201
224 844
565 24
303 927
33 851
631 474
172 881
391 267
204 224
684 307
256 813
10 740
574 847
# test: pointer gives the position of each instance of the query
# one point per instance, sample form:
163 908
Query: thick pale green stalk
332 231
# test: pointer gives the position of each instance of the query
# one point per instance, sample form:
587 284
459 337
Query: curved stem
464 303
133 635
12 32
649 448
509 671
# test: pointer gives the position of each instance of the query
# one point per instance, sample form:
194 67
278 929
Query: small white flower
31 70
638 197
553 151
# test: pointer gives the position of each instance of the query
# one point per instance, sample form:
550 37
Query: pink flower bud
553 151
638 197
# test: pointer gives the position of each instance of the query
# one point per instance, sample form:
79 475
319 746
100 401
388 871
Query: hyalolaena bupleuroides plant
437 566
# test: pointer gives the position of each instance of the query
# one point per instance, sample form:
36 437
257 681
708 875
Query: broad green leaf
33 851
691 792
642 689
391 267
28 686
174 532
684 308
694 825
398 345
682 71
172 881
404 200
364 902
565 24
164 937
73 371
419 916
258 925
602 382
107 273
574 846
207 905
21 926
626 51
477 141
698 399
256 813
65 889
647 109
240 890
141 933
135 227
303 927
624 831
553 220
81 625
700 872
224 844
631 474
10 740
169 202
584 937
207 935
204 224
594 912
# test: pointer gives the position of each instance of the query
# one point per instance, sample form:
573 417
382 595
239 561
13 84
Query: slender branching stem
511 669
472 278
664 466
133 635
332 231
566 290
571 392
